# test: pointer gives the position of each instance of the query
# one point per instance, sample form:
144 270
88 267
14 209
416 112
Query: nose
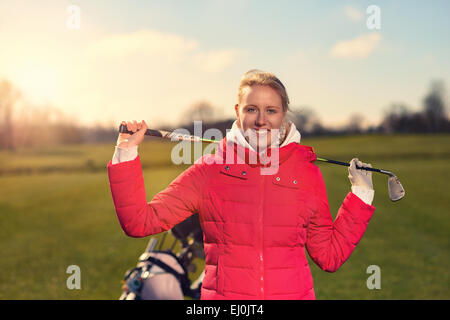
260 120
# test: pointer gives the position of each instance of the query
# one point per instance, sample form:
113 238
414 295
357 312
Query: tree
434 107
397 119
355 123
199 111
305 119
9 96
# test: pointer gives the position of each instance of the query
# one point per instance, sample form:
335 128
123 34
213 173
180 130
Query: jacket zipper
261 226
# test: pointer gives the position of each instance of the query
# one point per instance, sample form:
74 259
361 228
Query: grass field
56 210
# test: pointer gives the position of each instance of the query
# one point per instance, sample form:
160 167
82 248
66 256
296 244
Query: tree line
399 118
23 125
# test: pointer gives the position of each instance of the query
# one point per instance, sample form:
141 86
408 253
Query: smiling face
260 115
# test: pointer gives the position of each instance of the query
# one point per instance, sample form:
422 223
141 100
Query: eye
251 109
271 111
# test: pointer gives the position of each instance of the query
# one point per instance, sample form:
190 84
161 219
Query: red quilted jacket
256 226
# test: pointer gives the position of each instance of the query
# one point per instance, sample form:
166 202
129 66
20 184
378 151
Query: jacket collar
234 149
233 153
236 135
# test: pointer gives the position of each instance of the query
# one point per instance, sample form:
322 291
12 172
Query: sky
108 61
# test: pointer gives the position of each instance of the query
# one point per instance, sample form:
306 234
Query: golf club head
396 191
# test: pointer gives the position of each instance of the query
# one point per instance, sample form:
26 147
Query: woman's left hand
360 177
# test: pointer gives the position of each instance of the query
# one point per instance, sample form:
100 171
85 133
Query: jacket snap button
227 168
244 173
278 179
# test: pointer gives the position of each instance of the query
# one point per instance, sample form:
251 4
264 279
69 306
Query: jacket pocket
286 181
219 276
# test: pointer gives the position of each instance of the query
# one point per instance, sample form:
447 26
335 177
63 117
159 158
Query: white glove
360 177
361 181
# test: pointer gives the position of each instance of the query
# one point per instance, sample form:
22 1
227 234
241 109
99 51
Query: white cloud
359 47
216 60
353 13
149 43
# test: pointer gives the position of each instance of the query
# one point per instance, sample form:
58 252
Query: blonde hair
259 77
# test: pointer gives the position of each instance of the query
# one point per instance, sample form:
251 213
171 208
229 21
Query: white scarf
237 135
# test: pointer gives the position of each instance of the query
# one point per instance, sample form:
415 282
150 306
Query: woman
256 226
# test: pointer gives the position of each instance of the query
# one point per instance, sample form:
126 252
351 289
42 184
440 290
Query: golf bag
163 274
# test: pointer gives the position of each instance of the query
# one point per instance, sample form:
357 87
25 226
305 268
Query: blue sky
152 59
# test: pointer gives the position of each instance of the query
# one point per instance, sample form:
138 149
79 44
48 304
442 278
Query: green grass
51 221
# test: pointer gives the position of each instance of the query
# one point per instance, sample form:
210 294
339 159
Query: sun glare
39 84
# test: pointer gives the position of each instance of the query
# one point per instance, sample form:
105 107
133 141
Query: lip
261 133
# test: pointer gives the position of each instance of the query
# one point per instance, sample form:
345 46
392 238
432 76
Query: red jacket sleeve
139 218
329 243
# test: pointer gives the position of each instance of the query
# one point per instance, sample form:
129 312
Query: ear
236 109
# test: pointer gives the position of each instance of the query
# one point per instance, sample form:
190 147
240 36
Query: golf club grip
163 134
149 132
348 165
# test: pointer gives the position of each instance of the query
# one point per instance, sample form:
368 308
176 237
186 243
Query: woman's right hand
126 140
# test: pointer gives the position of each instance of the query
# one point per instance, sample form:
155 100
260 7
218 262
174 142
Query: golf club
396 190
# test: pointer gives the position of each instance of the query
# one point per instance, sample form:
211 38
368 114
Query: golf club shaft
174 136
348 165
